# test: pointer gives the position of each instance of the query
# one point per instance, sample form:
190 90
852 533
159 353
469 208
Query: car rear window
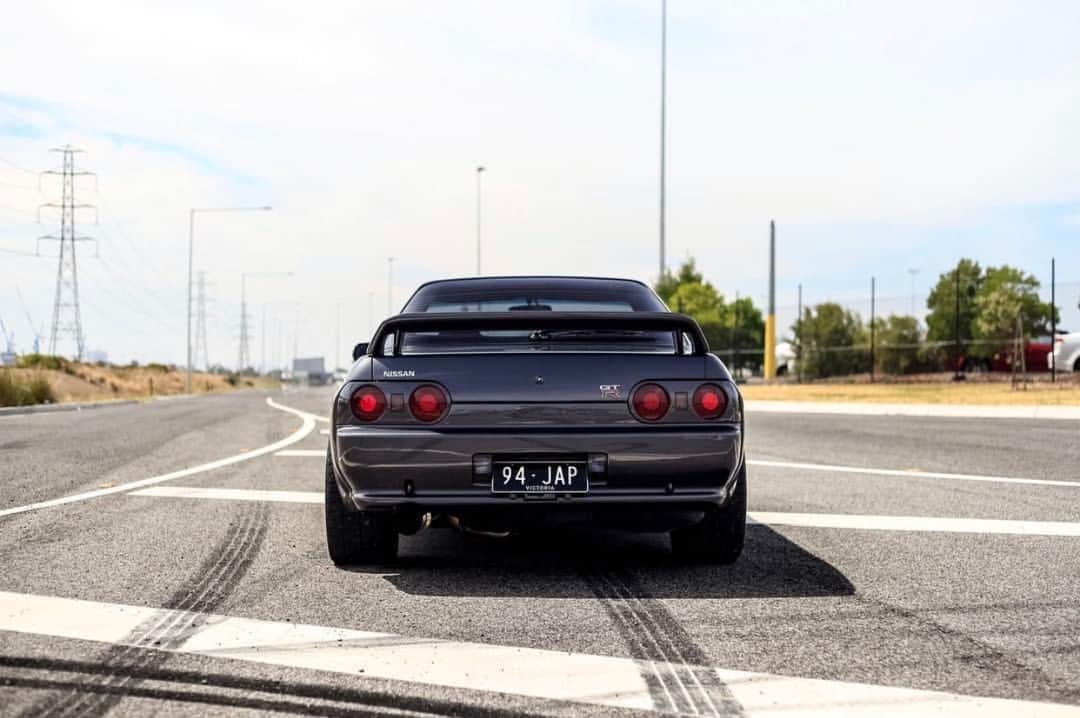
470 341
556 294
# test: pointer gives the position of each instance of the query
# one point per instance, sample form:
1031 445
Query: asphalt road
955 576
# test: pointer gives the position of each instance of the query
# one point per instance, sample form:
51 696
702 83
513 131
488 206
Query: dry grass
89 382
1066 392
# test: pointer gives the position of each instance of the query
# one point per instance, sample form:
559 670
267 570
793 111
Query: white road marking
192 492
929 524
311 453
306 428
543 674
965 411
831 468
324 432
919 523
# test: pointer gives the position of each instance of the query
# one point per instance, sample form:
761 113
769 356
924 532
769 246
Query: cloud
856 126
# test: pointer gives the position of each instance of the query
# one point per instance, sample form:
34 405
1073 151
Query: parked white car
1066 352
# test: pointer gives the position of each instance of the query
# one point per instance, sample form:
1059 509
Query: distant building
310 370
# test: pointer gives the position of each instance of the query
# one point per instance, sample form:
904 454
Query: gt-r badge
610 391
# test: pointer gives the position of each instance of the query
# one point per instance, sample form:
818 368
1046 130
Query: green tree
1005 294
940 321
898 347
831 338
723 323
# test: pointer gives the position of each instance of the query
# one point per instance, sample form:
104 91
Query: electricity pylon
67 317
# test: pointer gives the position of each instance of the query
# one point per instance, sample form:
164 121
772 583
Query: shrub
161 368
42 361
16 390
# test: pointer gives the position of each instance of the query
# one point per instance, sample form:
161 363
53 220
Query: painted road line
954 411
902 473
324 432
309 453
306 428
929 524
192 492
919 523
537 673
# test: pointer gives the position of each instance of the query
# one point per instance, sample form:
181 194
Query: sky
881 137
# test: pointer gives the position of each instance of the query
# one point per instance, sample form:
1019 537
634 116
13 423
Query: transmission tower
66 317
201 352
244 357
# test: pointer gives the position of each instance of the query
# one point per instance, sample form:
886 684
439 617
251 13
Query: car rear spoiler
655 321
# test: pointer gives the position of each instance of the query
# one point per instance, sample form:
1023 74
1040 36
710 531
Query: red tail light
428 403
650 402
710 401
368 403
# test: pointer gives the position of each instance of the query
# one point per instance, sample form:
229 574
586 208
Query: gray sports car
505 403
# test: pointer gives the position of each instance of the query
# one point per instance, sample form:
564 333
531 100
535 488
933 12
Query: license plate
539 477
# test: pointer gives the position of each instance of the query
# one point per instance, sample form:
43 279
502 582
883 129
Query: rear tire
356 537
720 536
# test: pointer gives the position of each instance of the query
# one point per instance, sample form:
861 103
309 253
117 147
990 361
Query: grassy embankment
1065 392
43 379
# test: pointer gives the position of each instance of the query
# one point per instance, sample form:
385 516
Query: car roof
530 277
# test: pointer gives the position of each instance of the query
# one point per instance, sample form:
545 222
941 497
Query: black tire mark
674 667
357 697
214 581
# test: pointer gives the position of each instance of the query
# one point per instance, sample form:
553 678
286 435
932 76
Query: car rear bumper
676 470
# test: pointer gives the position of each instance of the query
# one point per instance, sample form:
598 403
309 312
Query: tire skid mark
673 666
213 583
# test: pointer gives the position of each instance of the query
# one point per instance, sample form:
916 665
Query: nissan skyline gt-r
510 404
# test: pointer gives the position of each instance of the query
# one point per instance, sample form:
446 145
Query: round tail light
428 403
650 402
710 401
368 403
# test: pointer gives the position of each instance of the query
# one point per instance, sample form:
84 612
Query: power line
9 163
66 300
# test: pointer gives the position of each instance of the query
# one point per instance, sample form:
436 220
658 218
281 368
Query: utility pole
479 215
873 288
389 286
67 315
770 318
1053 324
913 271
958 374
201 350
663 136
371 313
798 343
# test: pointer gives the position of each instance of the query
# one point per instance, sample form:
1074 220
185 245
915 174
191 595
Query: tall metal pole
389 286
337 338
663 136
957 375
798 343
371 312
262 337
770 319
479 215
190 263
913 271
873 288
1053 324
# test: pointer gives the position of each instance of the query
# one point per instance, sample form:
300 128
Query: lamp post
663 134
389 286
191 262
479 215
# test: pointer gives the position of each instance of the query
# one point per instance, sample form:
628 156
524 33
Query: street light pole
389 286
479 215
190 269
663 134
243 353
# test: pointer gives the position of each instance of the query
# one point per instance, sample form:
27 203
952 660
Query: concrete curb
51 408
956 411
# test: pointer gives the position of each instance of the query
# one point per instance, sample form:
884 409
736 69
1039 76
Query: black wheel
719 537
1076 365
356 537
